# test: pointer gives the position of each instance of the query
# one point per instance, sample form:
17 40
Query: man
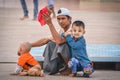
25 10
57 51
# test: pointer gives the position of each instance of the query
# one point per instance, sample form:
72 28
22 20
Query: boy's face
77 31
21 49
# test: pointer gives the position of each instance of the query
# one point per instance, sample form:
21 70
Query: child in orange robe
26 64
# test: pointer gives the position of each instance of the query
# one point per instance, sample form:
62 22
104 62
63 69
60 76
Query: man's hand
46 16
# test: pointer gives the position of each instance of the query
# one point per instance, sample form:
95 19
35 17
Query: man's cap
63 11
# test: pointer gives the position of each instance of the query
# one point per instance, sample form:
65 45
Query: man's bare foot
72 75
24 17
65 71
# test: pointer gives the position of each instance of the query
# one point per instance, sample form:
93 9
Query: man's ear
84 32
70 18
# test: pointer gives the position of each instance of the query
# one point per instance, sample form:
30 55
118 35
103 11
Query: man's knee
51 43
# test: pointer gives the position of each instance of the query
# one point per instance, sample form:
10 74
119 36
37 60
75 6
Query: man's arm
56 36
40 42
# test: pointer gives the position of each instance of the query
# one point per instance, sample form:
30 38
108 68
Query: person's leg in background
35 9
25 10
51 7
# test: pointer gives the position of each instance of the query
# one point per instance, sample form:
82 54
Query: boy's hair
79 23
27 45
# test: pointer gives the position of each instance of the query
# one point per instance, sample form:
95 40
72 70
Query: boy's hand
68 33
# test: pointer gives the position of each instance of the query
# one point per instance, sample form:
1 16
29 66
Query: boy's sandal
86 76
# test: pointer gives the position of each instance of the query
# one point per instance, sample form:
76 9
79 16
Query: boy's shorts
87 69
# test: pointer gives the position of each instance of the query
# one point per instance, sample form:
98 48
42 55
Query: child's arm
75 44
65 34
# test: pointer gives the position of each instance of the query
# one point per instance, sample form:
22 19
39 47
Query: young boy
26 64
76 41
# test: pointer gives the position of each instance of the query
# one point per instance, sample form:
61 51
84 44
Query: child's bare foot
23 73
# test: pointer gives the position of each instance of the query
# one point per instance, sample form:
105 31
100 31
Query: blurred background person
25 10
51 7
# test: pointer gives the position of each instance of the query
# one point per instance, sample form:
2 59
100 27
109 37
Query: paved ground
6 69
102 21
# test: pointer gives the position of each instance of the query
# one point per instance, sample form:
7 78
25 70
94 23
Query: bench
104 56
37 52
104 52
96 53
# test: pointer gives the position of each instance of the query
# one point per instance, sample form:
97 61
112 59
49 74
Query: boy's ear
19 51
